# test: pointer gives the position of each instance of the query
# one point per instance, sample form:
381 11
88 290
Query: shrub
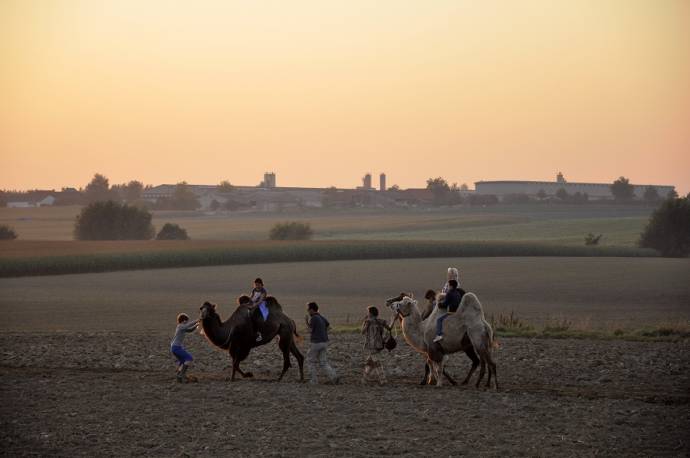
113 221
172 232
519 198
591 239
291 231
482 199
668 230
7 233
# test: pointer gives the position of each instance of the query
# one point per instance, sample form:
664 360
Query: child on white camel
449 304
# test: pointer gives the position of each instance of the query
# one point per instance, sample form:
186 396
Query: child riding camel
372 328
450 303
184 359
258 298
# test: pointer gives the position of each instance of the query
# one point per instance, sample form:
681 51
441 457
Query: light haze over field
322 92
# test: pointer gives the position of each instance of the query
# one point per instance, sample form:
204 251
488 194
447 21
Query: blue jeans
439 324
181 354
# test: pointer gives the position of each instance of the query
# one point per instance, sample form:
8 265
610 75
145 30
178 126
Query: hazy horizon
322 93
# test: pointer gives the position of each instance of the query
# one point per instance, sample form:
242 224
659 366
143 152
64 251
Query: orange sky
322 92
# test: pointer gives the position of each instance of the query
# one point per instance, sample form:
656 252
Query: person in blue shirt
318 326
450 303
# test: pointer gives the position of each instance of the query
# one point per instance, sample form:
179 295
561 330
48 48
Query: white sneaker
259 338
438 338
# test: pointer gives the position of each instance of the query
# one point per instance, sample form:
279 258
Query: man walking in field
318 326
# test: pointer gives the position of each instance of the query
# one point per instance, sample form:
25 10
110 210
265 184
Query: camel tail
493 341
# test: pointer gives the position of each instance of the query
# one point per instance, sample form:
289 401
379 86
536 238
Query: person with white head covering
453 274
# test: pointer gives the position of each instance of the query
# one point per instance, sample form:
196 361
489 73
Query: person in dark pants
318 326
450 304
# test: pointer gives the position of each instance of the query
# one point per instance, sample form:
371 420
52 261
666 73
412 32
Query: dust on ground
96 394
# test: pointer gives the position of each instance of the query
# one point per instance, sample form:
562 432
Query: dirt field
85 368
593 292
113 394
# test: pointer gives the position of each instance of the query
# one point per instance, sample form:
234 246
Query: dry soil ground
98 394
85 369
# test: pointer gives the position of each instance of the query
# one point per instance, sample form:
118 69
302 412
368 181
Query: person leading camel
184 359
450 304
373 328
318 326
258 298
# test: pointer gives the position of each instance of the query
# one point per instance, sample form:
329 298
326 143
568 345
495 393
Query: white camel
467 328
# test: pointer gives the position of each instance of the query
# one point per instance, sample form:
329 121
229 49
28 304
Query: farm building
595 191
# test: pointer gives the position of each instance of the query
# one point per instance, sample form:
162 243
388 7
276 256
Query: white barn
595 191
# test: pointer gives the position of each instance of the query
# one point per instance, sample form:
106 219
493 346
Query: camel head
404 307
397 298
207 310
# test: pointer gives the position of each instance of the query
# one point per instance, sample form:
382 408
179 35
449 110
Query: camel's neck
214 330
412 331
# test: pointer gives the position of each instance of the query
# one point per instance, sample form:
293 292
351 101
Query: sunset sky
321 92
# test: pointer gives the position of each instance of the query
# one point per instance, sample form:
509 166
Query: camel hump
470 305
272 303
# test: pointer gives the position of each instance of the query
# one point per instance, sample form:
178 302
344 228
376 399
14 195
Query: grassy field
27 258
591 293
559 224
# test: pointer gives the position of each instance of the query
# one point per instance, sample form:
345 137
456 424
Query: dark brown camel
237 334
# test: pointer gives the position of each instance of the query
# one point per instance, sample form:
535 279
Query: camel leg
284 346
425 379
300 359
236 368
450 379
475 362
482 369
439 370
492 369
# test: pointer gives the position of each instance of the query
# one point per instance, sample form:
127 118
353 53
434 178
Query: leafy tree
292 230
541 194
668 230
464 187
562 194
672 194
7 233
98 189
133 191
184 198
622 190
215 205
110 220
224 187
440 189
395 187
172 232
